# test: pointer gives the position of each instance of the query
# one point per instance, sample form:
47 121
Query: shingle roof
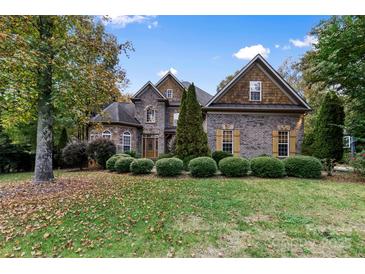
202 96
118 113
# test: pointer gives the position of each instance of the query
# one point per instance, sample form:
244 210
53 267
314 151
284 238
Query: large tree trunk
43 171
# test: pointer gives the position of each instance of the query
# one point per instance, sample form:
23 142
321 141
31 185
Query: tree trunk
43 171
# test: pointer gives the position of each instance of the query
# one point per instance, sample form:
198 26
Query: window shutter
292 142
171 119
218 139
236 142
275 141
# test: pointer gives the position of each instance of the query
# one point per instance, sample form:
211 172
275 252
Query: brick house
256 113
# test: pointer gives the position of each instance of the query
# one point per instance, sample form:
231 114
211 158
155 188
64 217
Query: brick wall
170 83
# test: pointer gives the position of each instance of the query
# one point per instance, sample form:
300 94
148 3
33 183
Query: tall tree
328 143
181 141
197 140
226 80
56 67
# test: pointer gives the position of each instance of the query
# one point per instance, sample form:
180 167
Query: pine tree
328 143
181 142
197 141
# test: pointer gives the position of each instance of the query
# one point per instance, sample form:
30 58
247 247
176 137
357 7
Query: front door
150 146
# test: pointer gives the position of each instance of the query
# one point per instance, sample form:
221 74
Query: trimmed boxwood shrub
169 167
268 167
165 155
303 166
123 164
101 150
123 155
219 155
234 166
141 166
202 167
111 162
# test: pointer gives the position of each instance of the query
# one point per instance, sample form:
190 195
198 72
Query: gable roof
169 73
142 89
275 74
118 112
202 96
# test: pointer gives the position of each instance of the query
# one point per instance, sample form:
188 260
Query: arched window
150 115
106 134
126 141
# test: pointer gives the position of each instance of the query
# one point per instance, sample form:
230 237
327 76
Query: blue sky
205 49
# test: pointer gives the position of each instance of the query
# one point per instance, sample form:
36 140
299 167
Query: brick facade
170 83
255 130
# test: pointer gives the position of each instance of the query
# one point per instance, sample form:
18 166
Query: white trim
173 120
106 133
231 130
171 93
260 91
127 133
288 154
244 69
154 115
143 88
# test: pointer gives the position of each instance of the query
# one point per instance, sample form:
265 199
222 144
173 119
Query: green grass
128 216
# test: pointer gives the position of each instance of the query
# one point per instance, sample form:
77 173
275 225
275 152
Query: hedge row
263 166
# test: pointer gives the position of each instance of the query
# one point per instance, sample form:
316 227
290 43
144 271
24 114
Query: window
106 134
227 141
150 115
93 136
346 141
283 143
176 117
126 141
169 93
255 90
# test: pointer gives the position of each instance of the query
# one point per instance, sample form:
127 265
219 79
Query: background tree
56 68
328 143
226 80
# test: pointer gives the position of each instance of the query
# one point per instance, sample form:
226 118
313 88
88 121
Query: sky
205 49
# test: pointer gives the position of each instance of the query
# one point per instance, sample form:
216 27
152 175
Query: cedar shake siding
170 83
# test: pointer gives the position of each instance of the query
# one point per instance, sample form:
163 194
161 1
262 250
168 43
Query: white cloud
163 72
308 41
124 20
286 47
247 53
277 46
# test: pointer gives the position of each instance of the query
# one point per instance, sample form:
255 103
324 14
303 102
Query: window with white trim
176 118
126 141
283 144
255 90
169 93
93 136
106 134
150 115
227 141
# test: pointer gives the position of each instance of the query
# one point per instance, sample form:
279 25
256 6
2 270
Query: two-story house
256 113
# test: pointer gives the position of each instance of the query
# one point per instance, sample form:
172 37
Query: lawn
99 214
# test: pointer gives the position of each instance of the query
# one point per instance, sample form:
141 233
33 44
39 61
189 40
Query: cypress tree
328 143
197 141
181 142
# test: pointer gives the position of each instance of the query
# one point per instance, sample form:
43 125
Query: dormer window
169 93
150 115
255 90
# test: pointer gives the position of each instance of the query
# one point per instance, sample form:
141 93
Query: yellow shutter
218 139
236 142
171 119
292 142
275 141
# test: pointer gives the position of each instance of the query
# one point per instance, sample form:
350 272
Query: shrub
202 167
123 164
101 150
165 155
187 160
169 167
122 155
219 155
358 163
234 166
267 167
131 153
141 166
75 155
303 167
110 163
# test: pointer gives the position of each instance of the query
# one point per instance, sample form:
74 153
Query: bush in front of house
202 167
268 167
101 150
358 163
169 167
141 166
75 155
234 166
219 155
165 155
187 160
123 164
303 166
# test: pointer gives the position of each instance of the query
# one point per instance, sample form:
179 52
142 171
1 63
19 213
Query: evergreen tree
197 141
62 142
328 134
181 142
